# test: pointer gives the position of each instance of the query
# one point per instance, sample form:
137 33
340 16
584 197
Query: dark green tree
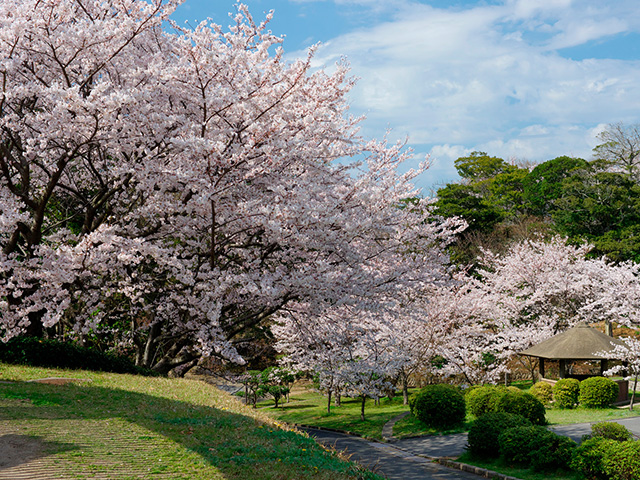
602 207
455 200
543 185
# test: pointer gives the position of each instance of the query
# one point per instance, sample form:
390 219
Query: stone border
482 472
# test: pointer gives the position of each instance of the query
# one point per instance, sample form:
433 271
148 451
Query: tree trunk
329 403
364 398
338 400
405 389
149 347
168 362
633 392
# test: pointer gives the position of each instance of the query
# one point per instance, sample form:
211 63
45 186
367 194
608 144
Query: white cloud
457 80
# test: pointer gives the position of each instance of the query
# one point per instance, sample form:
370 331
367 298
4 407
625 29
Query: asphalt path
387 459
577 430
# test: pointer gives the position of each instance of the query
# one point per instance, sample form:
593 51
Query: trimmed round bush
537 447
597 392
520 403
485 430
543 391
565 393
480 400
588 457
440 406
610 430
621 460
412 401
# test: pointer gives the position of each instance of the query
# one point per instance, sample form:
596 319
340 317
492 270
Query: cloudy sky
527 80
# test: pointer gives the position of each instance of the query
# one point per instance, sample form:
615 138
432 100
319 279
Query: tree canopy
168 192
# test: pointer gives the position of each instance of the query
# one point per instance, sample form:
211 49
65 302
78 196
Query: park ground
91 425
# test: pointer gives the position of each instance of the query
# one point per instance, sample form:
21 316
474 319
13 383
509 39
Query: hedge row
593 392
608 453
39 352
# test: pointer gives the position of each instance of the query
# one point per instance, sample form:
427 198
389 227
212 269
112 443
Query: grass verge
130 427
556 416
410 426
523 474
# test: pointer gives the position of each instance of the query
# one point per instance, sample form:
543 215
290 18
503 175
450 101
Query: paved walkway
387 459
412 458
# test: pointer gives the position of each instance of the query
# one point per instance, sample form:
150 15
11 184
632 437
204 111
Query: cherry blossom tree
350 350
171 191
629 356
540 288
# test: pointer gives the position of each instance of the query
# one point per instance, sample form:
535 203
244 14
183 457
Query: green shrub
610 430
565 393
537 447
412 402
485 430
440 406
480 399
553 453
588 457
490 398
520 403
515 443
621 460
543 391
597 392
38 352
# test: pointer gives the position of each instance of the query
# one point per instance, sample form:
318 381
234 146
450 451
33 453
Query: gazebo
580 343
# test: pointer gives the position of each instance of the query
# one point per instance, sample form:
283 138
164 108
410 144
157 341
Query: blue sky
526 80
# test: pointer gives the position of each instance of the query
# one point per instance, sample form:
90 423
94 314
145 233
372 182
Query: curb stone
482 472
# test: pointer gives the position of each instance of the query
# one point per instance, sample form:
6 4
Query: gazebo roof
578 343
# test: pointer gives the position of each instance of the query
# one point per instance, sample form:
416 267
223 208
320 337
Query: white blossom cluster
181 187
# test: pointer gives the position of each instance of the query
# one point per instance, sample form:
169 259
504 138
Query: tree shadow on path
16 450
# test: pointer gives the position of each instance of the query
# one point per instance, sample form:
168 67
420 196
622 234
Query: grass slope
131 427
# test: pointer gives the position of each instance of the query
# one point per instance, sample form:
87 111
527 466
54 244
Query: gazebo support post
541 367
563 369
604 365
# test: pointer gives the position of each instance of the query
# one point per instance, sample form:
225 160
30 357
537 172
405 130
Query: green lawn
131 427
588 415
410 426
307 407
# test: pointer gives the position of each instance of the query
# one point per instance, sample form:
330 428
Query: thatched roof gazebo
578 343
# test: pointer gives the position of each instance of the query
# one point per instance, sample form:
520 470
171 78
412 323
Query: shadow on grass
238 446
16 450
